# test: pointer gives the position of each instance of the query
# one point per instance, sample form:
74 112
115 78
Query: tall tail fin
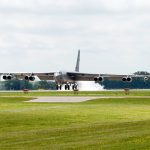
78 62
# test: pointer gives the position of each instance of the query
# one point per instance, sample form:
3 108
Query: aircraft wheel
66 87
75 86
58 87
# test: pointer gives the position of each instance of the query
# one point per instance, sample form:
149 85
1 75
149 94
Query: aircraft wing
91 77
121 77
82 76
113 76
100 77
45 76
21 76
75 76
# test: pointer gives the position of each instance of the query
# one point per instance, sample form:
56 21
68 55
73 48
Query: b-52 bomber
70 78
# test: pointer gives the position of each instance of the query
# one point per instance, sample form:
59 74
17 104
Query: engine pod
129 79
31 78
26 77
4 77
95 79
9 77
124 79
145 78
98 79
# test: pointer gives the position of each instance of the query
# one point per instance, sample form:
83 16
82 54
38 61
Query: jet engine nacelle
98 79
7 77
127 79
29 78
145 78
124 79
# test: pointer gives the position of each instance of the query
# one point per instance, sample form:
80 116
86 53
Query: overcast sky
44 35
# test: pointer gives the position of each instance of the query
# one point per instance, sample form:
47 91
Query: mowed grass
80 93
112 124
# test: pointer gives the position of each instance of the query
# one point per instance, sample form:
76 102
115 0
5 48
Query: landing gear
58 87
75 86
72 87
67 87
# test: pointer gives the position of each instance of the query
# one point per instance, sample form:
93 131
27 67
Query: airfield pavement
73 99
62 99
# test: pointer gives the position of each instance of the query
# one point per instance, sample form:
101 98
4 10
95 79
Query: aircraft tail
78 62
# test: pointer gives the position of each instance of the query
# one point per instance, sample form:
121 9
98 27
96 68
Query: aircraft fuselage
61 77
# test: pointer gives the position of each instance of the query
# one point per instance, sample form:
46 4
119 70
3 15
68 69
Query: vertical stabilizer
78 62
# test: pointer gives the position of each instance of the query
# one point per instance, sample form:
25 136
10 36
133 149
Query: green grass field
112 124
81 93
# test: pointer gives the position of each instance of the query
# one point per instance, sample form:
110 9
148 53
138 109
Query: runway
62 99
73 99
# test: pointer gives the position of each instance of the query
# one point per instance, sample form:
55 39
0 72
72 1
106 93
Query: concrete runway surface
62 99
73 99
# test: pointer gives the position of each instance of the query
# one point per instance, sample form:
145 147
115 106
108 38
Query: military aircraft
70 78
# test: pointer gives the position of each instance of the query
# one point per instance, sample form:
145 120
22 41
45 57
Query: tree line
21 85
137 83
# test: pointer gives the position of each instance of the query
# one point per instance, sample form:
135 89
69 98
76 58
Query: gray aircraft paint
78 62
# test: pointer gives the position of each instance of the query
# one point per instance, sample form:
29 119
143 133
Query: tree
137 82
141 73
